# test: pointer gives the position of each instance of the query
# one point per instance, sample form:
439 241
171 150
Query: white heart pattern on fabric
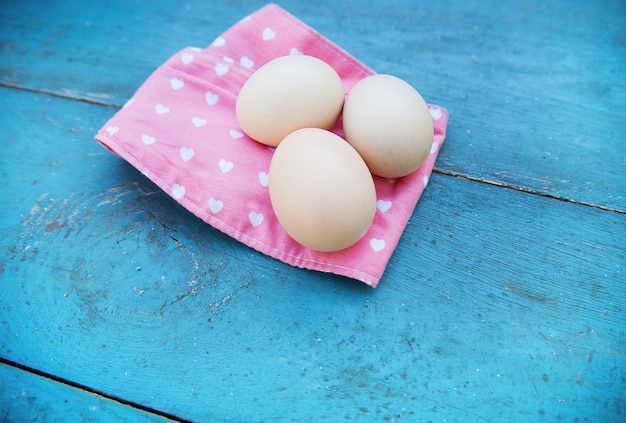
178 191
235 134
186 153
161 109
112 130
246 62
177 83
264 178
268 34
147 139
225 166
186 58
129 102
294 51
256 218
221 69
377 244
435 112
219 42
215 205
434 147
383 205
198 122
425 180
211 98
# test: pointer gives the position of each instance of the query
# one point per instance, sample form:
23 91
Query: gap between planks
435 170
58 95
92 391
526 190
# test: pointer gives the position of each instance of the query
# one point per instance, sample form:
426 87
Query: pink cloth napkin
180 130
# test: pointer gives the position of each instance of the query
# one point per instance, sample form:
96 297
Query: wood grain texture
497 304
25 397
534 89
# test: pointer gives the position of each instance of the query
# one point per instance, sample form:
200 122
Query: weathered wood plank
25 397
497 304
535 90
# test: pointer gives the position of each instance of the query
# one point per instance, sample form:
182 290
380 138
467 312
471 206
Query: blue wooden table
504 300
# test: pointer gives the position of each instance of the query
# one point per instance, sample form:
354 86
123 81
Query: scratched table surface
504 300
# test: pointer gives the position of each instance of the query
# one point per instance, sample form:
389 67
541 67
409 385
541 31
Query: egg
321 190
286 94
388 122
